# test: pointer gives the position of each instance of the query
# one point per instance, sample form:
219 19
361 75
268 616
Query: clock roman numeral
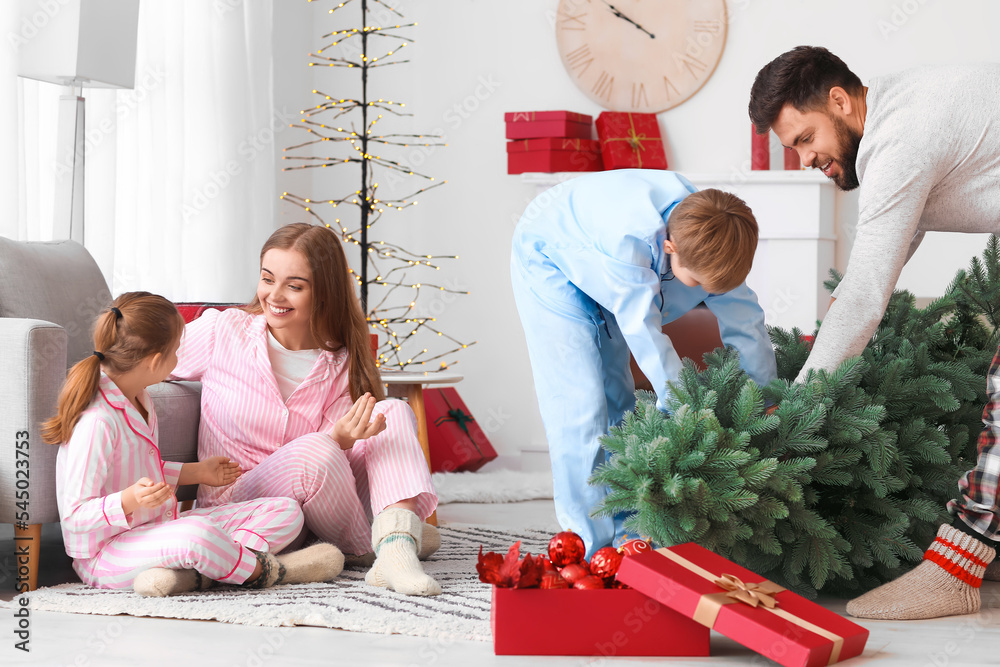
603 86
691 63
639 95
669 86
569 21
713 26
579 59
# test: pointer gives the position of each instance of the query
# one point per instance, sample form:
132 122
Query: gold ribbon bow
755 595
751 594
634 140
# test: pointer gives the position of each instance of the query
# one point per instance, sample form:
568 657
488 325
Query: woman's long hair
148 324
336 319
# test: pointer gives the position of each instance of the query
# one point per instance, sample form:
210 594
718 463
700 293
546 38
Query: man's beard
848 141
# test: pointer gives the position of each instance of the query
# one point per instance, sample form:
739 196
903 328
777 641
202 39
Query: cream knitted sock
396 536
319 562
159 582
430 542
946 583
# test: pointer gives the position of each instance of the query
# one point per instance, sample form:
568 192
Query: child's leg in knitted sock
158 582
946 583
396 537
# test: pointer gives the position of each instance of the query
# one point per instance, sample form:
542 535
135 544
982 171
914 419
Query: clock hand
617 12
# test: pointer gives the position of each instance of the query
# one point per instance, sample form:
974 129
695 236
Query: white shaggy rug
498 486
462 611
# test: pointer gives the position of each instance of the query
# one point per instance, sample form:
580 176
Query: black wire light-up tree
388 296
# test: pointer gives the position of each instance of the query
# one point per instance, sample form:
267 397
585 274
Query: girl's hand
147 494
219 471
358 424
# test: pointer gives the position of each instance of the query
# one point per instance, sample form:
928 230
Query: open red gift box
609 622
794 632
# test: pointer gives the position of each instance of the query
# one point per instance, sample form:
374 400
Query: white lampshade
84 42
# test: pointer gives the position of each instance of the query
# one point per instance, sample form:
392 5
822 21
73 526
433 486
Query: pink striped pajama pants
341 490
215 541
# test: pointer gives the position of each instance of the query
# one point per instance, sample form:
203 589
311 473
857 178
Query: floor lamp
78 44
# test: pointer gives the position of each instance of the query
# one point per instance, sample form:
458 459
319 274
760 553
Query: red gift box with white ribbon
534 124
553 154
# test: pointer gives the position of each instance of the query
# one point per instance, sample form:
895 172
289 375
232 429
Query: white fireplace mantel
797 237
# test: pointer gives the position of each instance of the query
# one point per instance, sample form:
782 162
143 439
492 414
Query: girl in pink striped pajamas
291 393
120 520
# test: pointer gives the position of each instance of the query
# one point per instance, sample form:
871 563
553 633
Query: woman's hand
146 494
358 424
218 471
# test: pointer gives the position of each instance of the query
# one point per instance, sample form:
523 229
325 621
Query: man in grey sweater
924 145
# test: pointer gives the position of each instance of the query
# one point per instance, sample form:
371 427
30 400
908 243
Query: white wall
473 60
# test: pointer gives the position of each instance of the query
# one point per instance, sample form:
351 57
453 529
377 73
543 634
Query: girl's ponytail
81 384
137 325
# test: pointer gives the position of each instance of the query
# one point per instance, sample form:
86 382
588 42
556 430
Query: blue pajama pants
580 364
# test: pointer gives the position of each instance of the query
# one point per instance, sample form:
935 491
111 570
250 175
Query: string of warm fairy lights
395 319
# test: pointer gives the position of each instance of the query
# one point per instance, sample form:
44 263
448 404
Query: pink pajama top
111 448
243 415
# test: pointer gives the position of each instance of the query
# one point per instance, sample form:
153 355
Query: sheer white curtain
180 170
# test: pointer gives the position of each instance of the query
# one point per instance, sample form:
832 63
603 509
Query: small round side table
410 385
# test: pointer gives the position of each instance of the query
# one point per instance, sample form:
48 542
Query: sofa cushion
57 282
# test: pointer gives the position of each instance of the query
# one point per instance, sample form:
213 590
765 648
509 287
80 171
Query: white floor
83 641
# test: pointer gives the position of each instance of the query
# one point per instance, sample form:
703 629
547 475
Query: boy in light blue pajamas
598 265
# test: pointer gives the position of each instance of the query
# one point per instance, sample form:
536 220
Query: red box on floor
549 161
611 622
533 124
630 141
794 633
455 441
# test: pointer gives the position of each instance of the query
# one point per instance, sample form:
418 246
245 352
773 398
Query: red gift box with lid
741 605
609 622
553 154
630 141
454 438
535 124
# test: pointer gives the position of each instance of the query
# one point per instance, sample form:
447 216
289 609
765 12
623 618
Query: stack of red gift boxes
551 141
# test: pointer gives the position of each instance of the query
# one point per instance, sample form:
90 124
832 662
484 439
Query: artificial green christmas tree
845 483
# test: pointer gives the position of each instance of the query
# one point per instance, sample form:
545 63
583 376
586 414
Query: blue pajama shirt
592 282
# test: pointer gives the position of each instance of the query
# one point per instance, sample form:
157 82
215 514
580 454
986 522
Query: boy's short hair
716 236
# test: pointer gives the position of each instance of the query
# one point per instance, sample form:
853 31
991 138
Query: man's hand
358 424
145 494
218 471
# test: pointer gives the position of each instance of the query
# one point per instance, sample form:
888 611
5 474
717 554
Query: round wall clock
641 56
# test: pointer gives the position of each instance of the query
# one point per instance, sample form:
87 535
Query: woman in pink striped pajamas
291 393
120 520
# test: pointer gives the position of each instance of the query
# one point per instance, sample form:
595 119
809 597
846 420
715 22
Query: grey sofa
50 294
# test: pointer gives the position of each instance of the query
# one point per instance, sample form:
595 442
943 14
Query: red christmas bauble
565 548
574 572
547 565
619 584
552 579
633 547
590 582
604 563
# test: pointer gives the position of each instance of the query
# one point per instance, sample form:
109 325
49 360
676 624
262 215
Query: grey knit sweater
929 160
